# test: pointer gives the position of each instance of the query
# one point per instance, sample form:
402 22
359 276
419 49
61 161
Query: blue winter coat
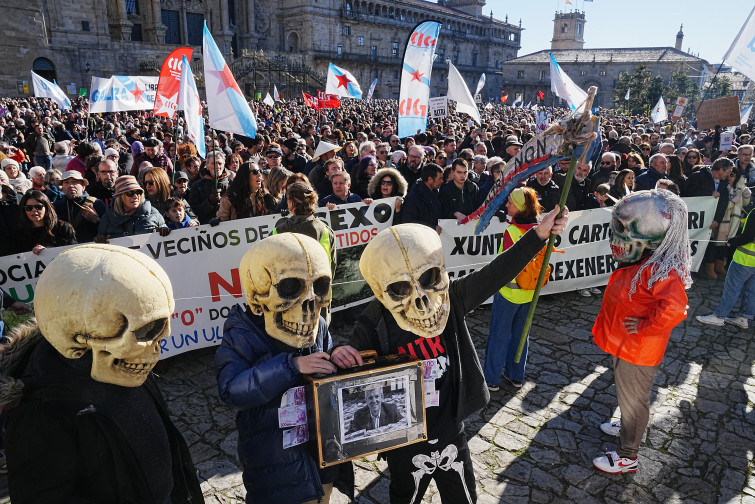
253 372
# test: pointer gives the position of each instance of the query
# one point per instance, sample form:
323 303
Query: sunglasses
255 171
38 206
606 163
149 183
645 148
383 152
131 194
386 182
272 156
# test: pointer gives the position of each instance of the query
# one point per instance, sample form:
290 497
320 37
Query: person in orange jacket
644 300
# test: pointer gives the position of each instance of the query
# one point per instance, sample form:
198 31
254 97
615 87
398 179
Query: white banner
202 262
123 92
586 259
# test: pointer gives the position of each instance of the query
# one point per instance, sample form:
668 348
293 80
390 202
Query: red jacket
662 308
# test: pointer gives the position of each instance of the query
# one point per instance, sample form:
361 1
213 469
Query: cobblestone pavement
536 444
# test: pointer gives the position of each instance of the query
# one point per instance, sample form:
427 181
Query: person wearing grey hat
512 148
78 208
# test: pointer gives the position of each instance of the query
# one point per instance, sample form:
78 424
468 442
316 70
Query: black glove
214 221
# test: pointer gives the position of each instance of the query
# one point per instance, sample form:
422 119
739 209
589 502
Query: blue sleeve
245 380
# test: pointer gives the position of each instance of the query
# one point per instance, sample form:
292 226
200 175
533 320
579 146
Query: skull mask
640 222
286 278
111 300
405 269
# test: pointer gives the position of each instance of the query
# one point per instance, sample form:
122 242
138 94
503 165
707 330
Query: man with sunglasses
103 187
603 174
78 208
273 156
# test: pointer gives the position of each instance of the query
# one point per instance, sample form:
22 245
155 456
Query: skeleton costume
85 421
649 237
286 278
417 310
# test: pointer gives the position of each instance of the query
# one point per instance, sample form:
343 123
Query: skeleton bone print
445 461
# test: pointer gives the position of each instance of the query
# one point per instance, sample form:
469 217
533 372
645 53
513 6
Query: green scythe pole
551 240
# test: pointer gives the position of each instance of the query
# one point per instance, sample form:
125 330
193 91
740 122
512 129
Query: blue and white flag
480 84
741 54
626 96
563 87
414 92
744 116
123 92
372 90
189 102
659 113
226 105
341 83
46 89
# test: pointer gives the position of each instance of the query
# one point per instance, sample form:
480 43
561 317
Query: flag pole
175 153
214 170
552 239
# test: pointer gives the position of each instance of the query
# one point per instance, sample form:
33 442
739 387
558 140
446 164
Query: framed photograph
366 411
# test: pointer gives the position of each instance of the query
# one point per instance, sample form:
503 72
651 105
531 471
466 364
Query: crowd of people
70 178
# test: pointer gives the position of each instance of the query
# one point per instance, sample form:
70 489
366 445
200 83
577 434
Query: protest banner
202 262
438 107
727 140
718 112
679 106
123 92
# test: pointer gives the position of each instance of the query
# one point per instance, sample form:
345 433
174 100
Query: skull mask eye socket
290 288
399 290
617 226
150 331
321 286
430 278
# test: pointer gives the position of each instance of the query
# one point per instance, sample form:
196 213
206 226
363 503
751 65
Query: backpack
527 279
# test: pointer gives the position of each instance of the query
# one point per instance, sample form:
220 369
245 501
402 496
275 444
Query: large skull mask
286 278
640 222
111 300
405 269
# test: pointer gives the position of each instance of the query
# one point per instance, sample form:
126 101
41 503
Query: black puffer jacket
64 445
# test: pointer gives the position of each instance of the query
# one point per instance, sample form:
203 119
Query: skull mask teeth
286 278
405 269
123 306
634 229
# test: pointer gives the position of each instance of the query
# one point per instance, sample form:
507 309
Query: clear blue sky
709 26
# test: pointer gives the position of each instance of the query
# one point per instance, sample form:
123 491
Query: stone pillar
120 27
224 34
155 30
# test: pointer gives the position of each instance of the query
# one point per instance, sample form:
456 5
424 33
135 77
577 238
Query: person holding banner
512 302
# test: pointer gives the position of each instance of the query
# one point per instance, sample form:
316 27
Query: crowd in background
68 177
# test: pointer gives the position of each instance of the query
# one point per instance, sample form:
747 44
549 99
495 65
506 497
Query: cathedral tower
568 30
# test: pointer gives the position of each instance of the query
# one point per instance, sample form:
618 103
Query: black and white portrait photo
374 409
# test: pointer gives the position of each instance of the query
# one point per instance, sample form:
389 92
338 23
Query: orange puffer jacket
661 307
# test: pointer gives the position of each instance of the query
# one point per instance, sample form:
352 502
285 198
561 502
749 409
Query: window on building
375 74
136 32
402 16
348 6
373 52
395 74
339 51
541 75
132 7
232 12
85 26
194 28
583 72
564 28
579 29
360 40
474 59
602 73
347 30
520 74
394 49
173 33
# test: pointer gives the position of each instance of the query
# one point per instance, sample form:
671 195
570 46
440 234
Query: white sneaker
611 428
585 292
596 291
740 322
711 320
612 463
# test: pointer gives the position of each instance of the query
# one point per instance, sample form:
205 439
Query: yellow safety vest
511 291
324 241
745 254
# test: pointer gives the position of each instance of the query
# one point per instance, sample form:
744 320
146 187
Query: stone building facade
266 42
592 67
